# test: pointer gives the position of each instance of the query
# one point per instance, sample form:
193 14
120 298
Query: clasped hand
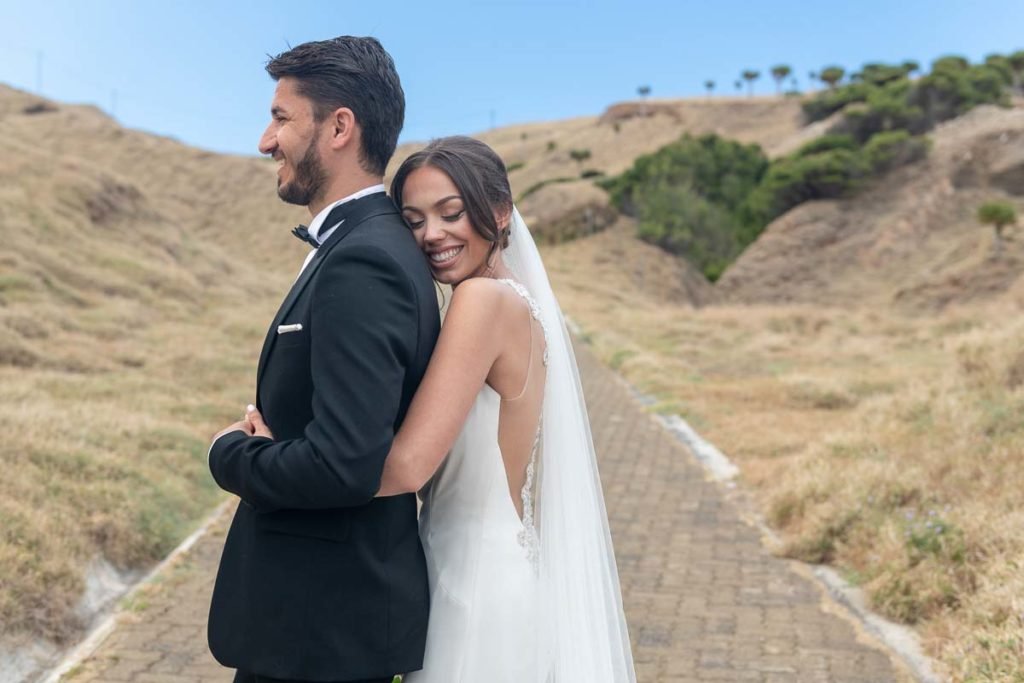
251 423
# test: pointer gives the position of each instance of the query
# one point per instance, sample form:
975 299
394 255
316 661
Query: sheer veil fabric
581 624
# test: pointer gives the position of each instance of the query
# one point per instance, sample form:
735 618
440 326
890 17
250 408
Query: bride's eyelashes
450 218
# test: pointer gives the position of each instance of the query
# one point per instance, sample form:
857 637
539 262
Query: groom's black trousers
245 677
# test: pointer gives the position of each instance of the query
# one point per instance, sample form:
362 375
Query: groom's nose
268 141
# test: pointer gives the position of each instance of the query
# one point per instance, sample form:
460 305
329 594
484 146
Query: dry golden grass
136 280
887 446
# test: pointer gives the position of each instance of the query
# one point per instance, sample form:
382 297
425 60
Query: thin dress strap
528 538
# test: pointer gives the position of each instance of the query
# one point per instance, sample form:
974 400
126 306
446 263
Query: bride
523 583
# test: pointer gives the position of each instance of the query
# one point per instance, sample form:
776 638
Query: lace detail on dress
528 537
534 311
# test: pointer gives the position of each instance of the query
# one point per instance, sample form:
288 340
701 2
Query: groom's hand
240 426
255 421
243 425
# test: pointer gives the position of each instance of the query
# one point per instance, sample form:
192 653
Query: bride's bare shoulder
482 295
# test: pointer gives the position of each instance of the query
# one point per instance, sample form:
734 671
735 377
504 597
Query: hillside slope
911 239
137 276
539 153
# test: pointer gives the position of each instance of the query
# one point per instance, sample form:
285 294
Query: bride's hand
256 423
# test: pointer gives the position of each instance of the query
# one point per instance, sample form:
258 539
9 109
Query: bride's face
435 212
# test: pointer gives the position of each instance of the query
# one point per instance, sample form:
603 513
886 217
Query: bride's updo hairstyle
477 172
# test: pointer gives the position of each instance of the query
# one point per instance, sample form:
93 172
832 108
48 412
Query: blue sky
194 69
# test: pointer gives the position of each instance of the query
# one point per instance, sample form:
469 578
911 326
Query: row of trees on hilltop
708 198
1011 68
780 73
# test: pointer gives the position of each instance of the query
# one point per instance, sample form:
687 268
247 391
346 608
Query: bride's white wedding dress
481 558
533 599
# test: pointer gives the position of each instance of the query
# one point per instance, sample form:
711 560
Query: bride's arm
469 343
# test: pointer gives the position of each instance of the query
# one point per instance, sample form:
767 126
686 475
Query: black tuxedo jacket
319 580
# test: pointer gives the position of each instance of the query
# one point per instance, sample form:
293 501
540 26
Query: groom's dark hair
352 72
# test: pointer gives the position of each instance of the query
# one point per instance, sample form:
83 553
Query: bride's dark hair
477 172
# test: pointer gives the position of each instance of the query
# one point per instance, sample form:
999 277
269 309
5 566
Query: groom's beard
310 178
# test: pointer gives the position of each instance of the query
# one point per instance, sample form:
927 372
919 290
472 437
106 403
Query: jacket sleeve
363 339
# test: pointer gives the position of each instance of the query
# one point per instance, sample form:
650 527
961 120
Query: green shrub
720 170
998 215
828 102
827 143
579 155
1002 66
686 198
879 74
793 180
890 149
890 100
681 221
950 90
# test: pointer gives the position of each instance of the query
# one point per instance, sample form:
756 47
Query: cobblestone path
705 599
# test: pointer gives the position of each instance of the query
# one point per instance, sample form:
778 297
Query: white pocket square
285 329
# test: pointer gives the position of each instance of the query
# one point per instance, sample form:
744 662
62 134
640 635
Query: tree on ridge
1016 61
643 91
750 76
832 75
709 86
779 73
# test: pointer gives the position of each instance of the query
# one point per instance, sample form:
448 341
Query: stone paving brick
704 598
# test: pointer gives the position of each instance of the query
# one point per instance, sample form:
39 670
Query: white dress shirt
317 225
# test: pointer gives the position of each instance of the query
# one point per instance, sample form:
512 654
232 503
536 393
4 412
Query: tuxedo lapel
352 214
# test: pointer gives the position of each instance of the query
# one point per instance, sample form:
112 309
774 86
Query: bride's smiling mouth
442 258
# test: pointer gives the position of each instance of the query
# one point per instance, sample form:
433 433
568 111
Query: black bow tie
302 232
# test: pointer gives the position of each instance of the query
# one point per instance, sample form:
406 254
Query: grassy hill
137 276
911 239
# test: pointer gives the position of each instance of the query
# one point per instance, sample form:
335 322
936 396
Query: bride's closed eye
417 223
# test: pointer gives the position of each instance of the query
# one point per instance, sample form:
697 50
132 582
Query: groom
319 580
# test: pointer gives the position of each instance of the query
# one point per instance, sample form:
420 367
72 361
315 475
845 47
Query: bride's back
518 377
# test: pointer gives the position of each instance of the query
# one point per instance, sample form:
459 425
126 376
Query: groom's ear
342 128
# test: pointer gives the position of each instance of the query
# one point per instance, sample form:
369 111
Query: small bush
888 150
827 143
579 155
